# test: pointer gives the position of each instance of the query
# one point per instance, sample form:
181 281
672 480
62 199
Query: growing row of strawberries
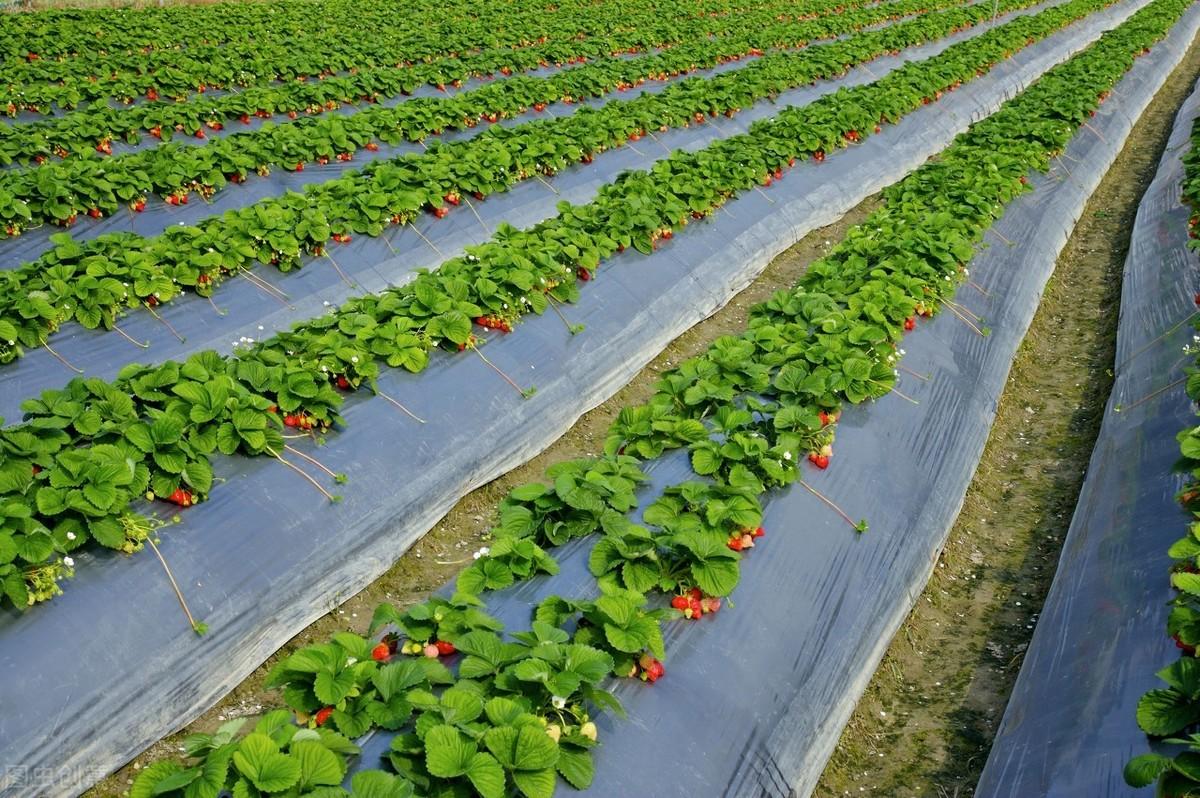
93 282
391 40
91 132
449 741
1173 711
58 192
86 453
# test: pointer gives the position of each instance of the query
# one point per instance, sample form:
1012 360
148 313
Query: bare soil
925 724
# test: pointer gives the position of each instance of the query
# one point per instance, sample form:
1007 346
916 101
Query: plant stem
312 460
408 412
166 324
479 218
497 369
426 240
1151 395
196 627
129 338
302 473
341 273
829 503
60 358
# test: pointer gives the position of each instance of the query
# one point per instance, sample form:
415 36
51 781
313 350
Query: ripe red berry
910 324
819 460
381 652
759 532
680 602
322 715
445 648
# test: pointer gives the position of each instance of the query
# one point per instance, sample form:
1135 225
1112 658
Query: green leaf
535 783
1144 770
318 765
576 767
486 776
331 687
259 760
150 777
1163 712
447 753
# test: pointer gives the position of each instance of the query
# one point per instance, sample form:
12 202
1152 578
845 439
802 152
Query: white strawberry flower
354 358
787 455
351 660
558 701
67 561
71 536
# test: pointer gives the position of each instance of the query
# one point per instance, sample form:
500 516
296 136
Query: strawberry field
275 297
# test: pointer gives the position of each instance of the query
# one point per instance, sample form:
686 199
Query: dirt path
926 722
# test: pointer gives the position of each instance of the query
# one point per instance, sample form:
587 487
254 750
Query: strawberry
156 131
381 652
680 603
431 651
695 593
292 420
95 213
344 384
372 147
299 167
585 275
747 541
445 647
139 206
878 128
441 211
588 730
695 608
818 156
292 114
1189 651
910 324
821 461
244 119
1196 299
322 715
735 543
710 604
180 497
453 198
759 532
199 133
826 419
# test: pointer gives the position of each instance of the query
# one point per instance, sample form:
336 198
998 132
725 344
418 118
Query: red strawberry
95 213
199 133
445 647
138 206
910 324
180 497
819 156
292 420
292 114
441 211
244 119
819 460
759 532
585 275
695 607
300 167
735 543
372 146
680 603
453 198
826 419
322 715
381 653
343 383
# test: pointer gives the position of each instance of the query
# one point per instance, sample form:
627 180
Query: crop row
91 132
176 73
85 454
58 192
487 731
93 282
1171 711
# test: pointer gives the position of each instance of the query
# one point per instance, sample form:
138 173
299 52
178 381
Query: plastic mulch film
1070 724
755 698
372 263
110 666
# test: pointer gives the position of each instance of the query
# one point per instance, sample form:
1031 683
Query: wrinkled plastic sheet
159 216
756 697
375 263
1070 726
109 666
